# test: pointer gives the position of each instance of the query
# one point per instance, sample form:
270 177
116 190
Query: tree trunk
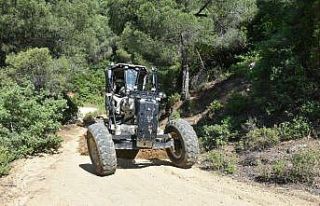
185 83
202 75
185 93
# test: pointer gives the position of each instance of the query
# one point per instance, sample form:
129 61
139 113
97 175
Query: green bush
311 109
175 115
279 168
222 161
250 124
174 99
278 171
28 122
5 158
214 107
90 118
305 165
216 135
245 64
89 86
37 66
296 129
261 138
281 171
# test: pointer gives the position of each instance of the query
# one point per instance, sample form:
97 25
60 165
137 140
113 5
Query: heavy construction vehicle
132 101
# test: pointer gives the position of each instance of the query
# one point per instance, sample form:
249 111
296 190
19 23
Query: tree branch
203 8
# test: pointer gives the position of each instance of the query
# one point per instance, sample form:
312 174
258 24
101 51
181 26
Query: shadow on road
130 164
88 168
138 164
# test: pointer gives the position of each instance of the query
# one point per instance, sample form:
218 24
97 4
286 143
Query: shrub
175 115
250 124
5 158
222 161
245 64
261 138
311 109
174 99
264 173
28 122
216 135
302 167
90 118
239 146
305 166
70 113
278 171
47 75
214 107
89 86
37 66
29 119
296 129
122 55
279 168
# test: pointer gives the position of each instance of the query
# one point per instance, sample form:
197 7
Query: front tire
186 146
101 149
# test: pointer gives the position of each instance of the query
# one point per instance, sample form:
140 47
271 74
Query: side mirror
162 95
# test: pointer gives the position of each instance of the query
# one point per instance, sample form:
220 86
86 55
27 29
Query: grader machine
132 100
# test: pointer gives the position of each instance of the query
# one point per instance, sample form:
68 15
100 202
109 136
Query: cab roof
123 66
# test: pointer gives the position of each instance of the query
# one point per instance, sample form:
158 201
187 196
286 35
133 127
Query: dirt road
66 179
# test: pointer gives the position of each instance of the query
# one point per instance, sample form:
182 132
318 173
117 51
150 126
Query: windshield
131 78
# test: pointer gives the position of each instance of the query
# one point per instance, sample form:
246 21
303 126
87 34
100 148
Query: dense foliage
286 75
28 122
281 63
53 54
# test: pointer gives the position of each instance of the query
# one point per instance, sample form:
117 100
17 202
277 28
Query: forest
262 55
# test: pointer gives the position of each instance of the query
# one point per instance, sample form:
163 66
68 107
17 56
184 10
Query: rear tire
186 146
101 149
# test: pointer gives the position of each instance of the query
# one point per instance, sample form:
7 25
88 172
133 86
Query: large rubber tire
126 154
186 145
101 149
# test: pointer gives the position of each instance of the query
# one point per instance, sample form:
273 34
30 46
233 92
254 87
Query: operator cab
128 84
126 78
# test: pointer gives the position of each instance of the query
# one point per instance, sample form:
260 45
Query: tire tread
105 147
190 141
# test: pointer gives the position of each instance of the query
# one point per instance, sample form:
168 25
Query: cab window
131 78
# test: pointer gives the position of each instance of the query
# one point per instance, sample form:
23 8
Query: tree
286 77
156 32
37 66
175 33
75 29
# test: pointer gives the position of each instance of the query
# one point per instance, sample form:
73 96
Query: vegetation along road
245 73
